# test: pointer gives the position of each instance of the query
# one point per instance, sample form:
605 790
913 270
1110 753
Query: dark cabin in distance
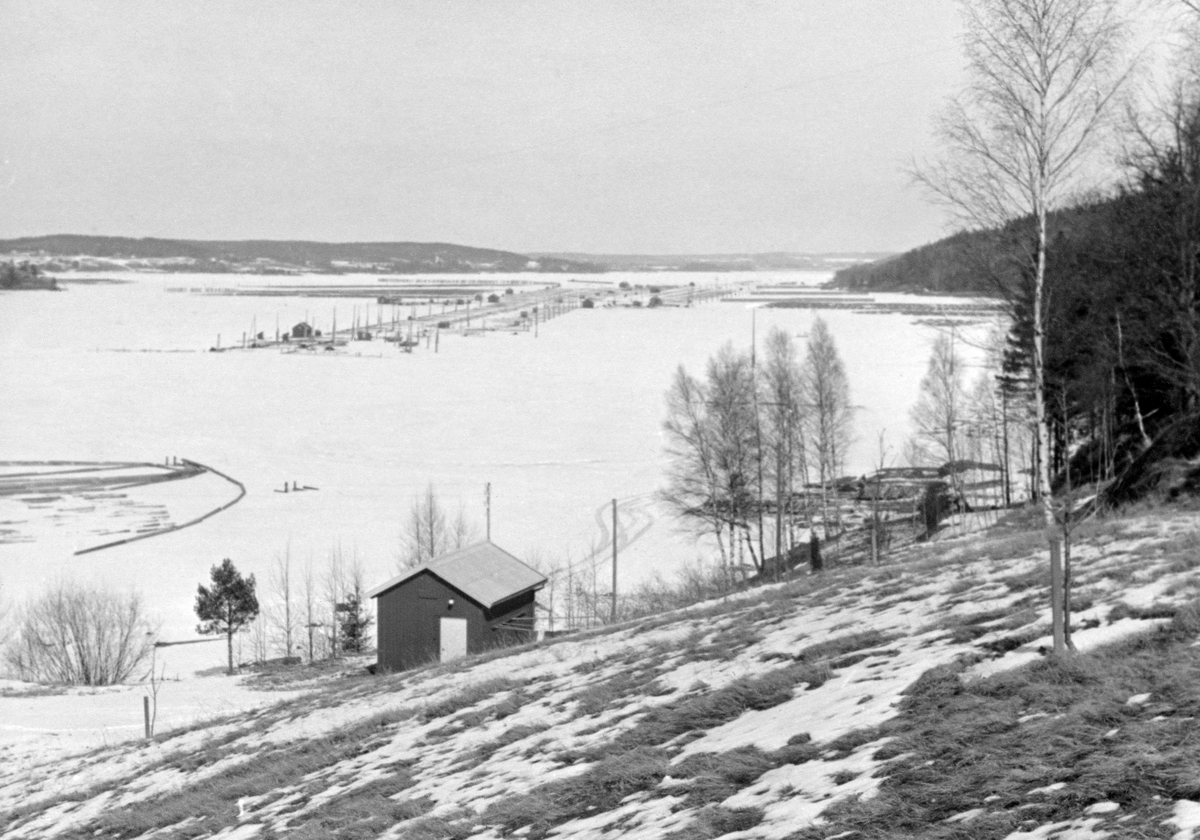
466 601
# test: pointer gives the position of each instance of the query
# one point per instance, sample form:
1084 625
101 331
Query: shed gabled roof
484 572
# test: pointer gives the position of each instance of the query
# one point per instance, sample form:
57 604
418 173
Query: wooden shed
466 601
302 330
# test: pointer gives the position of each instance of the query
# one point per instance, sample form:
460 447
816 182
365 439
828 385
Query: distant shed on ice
467 601
302 330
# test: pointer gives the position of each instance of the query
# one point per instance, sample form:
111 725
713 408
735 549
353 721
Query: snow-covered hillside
747 717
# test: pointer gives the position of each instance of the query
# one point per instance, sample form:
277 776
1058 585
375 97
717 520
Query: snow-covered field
559 424
483 744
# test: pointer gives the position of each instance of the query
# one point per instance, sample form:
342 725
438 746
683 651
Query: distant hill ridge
282 255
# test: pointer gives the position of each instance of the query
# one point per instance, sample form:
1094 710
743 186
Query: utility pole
614 542
311 626
487 501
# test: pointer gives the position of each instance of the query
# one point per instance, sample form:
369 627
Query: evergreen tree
228 606
355 623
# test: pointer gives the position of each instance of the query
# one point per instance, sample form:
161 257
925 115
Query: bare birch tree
312 610
734 424
939 413
1043 76
284 613
428 532
692 490
334 585
783 443
826 393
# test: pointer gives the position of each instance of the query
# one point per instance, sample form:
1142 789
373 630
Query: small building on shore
466 601
302 330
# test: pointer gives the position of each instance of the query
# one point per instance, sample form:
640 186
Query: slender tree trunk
1137 408
1043 429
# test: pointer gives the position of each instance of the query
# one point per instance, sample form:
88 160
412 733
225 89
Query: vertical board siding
409 614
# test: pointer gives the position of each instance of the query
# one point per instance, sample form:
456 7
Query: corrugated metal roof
483 571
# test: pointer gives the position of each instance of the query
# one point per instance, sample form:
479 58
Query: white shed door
454 638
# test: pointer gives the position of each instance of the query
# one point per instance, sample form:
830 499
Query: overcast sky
605 126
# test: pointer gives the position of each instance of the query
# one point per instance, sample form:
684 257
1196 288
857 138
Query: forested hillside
954 264
1120 308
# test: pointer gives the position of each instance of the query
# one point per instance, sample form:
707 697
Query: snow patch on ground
1186 818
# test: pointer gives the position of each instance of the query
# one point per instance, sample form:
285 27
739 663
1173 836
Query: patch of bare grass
617 689
714 821
1029 579
510 736
1014 546
467 697
1123 610
714 777
985 745
839 649
600 788
362 813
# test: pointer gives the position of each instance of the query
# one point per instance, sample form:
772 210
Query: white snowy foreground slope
740 718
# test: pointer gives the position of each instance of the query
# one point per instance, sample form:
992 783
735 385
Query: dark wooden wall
409 615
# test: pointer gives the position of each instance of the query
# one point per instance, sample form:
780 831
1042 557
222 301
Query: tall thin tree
826 394
779 381
940 411
1043 75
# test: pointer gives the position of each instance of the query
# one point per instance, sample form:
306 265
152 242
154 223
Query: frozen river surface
559 424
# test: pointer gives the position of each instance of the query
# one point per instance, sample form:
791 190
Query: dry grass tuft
714 821
600 788
717 776
470 696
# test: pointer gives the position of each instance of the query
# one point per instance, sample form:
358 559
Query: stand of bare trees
940 413
744 440
829 416
311 612
430 531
